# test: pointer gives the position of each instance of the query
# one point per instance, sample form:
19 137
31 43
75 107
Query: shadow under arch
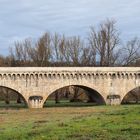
92 93
132 96
14 92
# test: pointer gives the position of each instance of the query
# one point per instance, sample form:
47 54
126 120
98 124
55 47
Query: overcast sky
20 19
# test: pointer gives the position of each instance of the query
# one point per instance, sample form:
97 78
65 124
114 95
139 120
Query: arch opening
132 97
74 95
10 98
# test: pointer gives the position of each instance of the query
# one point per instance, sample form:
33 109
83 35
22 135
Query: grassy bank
71 123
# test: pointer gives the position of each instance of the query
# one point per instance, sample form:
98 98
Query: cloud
29 18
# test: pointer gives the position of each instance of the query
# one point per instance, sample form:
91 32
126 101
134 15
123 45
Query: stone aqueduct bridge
40 82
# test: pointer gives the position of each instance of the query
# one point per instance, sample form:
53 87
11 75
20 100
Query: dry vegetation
80 123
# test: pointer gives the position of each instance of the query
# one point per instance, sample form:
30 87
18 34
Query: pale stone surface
39 81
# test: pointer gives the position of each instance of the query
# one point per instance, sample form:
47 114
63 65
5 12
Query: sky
21 19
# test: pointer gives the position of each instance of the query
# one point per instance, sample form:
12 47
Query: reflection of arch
18 93
133 91
97 96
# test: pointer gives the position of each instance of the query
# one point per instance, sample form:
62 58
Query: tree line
102 47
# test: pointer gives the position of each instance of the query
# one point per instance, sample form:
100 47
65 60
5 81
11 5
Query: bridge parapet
66 72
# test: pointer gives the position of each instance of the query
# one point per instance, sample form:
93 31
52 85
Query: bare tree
87 57
64 51
43 50
2 61
73 50
104 42
131 52
56 41
19 53
40 53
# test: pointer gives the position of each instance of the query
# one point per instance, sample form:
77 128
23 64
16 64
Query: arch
17 92
93 93
99 98
134 91
40 75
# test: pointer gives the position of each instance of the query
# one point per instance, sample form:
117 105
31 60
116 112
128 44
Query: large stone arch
98 92
16 91
128 91
129 85
95 94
